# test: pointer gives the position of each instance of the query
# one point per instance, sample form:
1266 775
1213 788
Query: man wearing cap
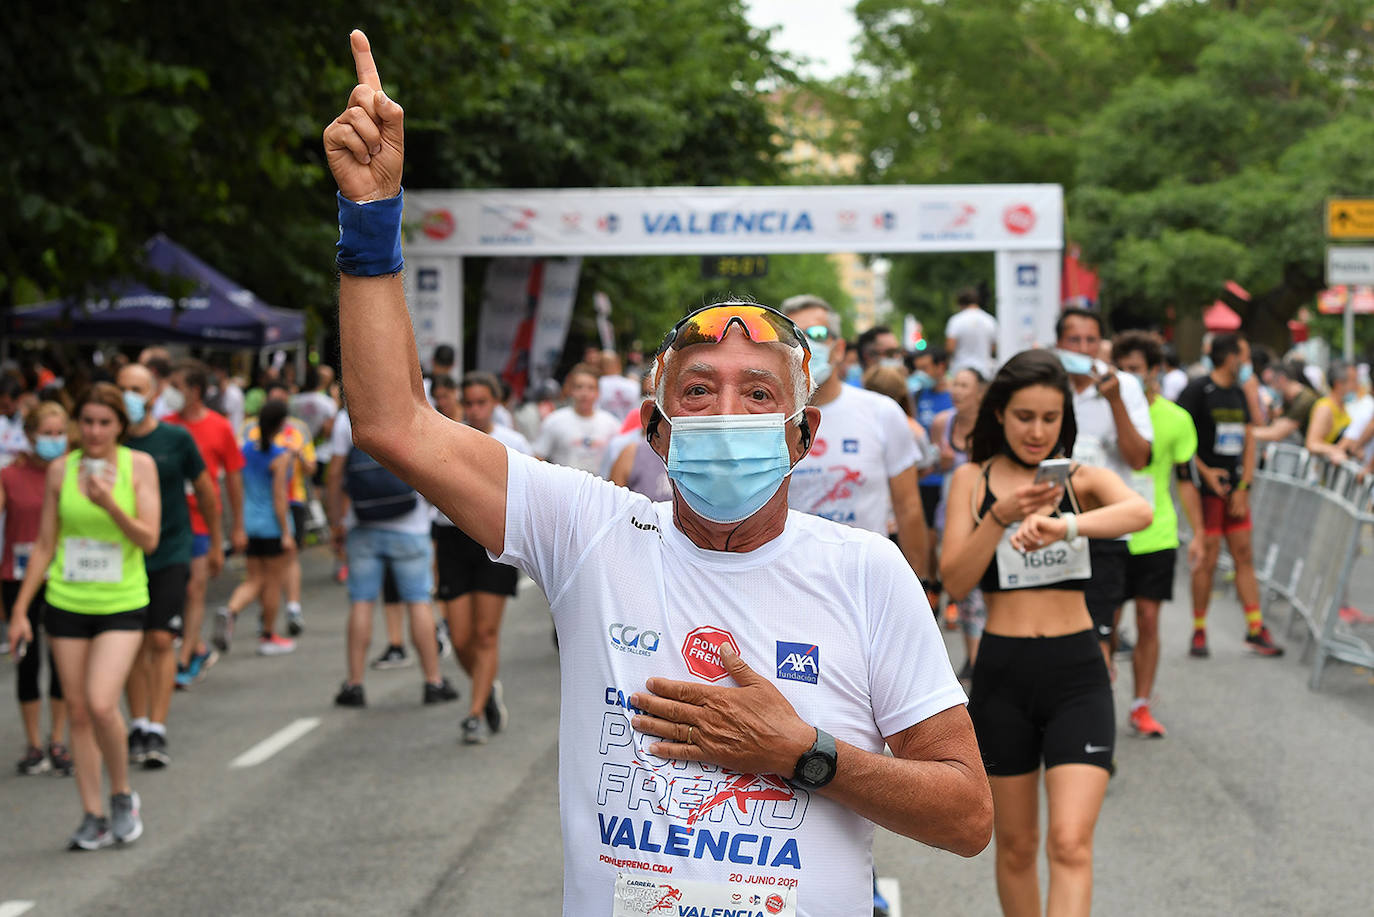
739 666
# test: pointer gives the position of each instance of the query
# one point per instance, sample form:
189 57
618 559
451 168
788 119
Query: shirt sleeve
899 446
1185 446
910 677
553 515
191 462
1137 405
341 440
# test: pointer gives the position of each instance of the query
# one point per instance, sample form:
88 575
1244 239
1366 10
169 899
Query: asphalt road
1259 801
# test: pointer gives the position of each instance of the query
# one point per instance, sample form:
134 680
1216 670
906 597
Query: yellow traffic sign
1350 218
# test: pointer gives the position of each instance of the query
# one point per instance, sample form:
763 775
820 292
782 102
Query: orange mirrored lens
712 325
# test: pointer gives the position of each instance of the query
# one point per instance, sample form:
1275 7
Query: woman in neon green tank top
101 514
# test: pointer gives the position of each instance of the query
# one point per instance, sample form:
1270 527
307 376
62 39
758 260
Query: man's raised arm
458 469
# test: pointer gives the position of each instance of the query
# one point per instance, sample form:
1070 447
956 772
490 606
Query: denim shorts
409 556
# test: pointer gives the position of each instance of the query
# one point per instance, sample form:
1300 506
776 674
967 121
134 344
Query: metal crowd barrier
1313 550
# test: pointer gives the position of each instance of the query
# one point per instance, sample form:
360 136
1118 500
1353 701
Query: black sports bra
991 580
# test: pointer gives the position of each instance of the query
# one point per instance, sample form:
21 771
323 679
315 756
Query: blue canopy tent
216 312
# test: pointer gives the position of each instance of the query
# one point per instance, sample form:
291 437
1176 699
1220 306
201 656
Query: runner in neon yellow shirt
1153 550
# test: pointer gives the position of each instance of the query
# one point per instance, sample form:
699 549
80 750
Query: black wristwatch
816 767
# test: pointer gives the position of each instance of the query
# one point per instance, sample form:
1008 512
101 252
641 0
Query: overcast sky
819 29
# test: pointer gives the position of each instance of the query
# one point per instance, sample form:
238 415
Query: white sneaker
274 645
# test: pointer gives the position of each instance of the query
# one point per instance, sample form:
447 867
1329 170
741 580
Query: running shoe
184 679
341 574
156 756
34 762
295 623
61 759
1198 648
1262 644
224 629
440 693
474 731
350 696
1144 724
201 663
138 746
495 710
394 658
951 616
126 823
275 645
93 834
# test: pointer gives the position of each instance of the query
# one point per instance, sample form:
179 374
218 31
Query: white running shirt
567 438
618 396
1097 442
975 334
863 441
833 616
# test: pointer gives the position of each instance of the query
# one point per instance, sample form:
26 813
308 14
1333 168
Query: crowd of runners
124 489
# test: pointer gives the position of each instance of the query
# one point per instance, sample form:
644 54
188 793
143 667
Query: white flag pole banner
1028 284
602 302
434 293
504 304
554 316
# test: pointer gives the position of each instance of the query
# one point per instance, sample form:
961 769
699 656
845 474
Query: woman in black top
1041 693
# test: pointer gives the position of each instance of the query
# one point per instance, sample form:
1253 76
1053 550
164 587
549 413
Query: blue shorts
409 556
200 546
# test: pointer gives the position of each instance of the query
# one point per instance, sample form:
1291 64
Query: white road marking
15 908
890 890
272 744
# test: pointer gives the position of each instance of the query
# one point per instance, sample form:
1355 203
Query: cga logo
630 639
799 662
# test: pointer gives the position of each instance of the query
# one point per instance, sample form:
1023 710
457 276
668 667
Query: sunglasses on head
760 324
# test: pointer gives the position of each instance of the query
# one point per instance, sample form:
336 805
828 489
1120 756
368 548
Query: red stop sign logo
438 224
774 904
701 649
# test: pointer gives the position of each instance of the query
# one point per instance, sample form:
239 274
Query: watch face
815 769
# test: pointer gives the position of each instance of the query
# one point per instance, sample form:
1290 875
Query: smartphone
1053 471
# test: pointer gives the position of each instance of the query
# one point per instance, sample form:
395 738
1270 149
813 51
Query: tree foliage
1197 141
203 121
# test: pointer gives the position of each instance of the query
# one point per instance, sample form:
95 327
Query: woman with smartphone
1041 695
101 515
21 506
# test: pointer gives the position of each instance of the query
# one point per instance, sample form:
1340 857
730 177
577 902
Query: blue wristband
370 237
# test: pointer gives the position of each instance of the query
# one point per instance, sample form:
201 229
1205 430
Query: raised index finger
362 60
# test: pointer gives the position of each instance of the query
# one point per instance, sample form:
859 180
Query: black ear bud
651 431
805 428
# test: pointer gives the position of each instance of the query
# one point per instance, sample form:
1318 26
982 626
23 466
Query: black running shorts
60 623
1106 591
465 567
1151 576
167 598
1041 699
264 547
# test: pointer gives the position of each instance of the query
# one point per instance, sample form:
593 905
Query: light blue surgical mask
820 362
135 407
49 447
727 466
893 363
854 376
1246 371
1075 364
922 381
1350 398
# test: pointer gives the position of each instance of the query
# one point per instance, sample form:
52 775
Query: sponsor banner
734 221
504 307
434 294
1027 300
553 315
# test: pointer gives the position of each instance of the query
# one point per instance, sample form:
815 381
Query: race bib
21 558
640 895
1054 563
1143 483
1230 439
86 560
